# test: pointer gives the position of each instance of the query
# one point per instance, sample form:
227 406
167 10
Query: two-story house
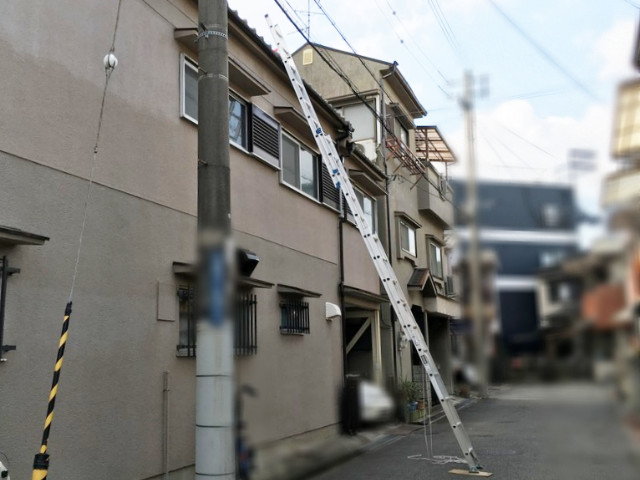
128 385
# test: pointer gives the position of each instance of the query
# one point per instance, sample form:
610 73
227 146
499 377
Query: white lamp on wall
332 311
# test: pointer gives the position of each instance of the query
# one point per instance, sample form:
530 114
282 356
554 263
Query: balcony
435 198
621 188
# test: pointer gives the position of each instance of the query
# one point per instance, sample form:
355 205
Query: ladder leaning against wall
388 277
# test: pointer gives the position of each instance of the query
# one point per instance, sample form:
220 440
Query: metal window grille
187 340
245 326
245 323
294 316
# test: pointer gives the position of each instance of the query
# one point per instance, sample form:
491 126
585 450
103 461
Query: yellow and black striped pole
41 461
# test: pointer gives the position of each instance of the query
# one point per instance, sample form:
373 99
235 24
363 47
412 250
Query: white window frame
282 168
432 261
410 228
245 121
374 206
186 61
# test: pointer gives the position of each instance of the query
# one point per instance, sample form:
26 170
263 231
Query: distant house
529 227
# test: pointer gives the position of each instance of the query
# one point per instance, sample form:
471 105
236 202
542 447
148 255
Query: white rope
428 439
85 208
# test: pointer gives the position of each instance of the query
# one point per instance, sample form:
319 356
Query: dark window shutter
330 195
346 208
265 136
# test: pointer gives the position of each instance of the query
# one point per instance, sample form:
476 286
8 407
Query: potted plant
409 392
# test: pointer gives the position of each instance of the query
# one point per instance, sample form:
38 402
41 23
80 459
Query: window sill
184 353
286 331
300 192
242 149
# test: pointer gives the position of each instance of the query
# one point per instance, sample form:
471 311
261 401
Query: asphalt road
525 432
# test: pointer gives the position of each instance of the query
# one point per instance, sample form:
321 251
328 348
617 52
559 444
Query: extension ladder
388 277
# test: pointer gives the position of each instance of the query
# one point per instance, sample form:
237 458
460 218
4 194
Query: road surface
559 432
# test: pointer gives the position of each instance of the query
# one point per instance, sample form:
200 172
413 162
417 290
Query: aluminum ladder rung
387 275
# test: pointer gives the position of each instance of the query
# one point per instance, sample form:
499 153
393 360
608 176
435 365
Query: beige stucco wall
108 421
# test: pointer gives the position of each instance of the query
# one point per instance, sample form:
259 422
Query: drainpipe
383 109
343 322
165 425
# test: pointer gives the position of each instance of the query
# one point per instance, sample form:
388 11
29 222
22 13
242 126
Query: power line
444 25
517 135
421 50
344 38
349 83
543 52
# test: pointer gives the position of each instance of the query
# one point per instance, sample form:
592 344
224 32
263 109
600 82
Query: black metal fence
294 316
245 323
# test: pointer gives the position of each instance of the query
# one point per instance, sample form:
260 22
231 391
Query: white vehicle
376 405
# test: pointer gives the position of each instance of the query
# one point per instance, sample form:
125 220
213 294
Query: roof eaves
266 48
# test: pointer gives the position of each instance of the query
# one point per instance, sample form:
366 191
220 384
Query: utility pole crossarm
388 277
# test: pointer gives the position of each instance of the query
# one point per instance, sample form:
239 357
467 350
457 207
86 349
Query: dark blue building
529 226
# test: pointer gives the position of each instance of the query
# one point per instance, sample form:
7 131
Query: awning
189 270
358 293
430 145
289 290
239 75
15 236
421 280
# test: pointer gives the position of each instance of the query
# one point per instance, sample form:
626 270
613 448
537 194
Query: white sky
534 113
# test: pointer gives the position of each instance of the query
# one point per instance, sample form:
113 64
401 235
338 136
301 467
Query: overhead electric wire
445 27
420 63
517 135
344 38
350 84
410 36
546 55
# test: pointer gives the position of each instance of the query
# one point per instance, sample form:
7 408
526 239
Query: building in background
529 227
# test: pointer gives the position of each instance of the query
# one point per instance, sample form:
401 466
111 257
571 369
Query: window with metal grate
294 317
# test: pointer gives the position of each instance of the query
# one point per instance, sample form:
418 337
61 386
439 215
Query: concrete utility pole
477 316
215 446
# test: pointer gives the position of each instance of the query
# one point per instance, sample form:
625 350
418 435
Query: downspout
383 109
165 425
343 321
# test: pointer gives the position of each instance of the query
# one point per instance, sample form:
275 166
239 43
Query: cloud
614 49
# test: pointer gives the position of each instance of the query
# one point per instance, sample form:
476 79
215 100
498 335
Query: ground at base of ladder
467 473
572 431
302 459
